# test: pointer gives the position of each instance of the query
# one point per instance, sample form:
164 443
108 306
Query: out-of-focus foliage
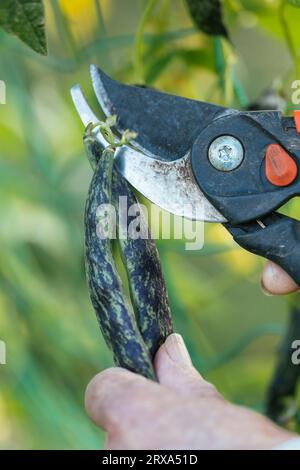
53 343
207 15
295 3
25 19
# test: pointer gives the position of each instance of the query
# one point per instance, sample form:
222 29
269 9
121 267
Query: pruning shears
209 163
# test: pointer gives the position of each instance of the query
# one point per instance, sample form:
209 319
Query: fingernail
268 275
177 350
265 291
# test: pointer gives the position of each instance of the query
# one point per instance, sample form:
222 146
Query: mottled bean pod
141 260
134 332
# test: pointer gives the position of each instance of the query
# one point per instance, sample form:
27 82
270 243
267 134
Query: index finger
116 395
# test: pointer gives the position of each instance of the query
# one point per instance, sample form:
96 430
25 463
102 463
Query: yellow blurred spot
240 261
82 17
216 233
76 8
237 259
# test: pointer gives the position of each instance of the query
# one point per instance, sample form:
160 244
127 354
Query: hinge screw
226 153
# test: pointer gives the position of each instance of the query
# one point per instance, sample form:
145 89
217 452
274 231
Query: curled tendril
105 129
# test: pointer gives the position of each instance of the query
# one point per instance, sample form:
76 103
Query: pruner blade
168 184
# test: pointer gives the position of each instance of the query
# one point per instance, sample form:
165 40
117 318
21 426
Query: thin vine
139 39
288 36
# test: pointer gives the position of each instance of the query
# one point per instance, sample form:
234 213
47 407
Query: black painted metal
167 125
279 241
245 193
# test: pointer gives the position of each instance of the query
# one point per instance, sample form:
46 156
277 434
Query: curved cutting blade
85 112
170 185
167 125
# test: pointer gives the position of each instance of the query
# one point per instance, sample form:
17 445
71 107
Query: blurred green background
53 343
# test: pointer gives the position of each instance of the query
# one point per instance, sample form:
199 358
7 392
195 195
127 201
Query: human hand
182 411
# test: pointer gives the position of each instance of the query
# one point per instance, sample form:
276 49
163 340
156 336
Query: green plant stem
288 37
102 30
239 91
63 27
100 16
220 62
139 39
227 76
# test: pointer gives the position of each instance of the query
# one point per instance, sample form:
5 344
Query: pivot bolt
226 153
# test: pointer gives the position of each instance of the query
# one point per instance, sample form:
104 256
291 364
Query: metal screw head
226 153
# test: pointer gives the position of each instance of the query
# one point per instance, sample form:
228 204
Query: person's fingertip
176 349
174 369
93 393
91 398
275 281
101 391
172 362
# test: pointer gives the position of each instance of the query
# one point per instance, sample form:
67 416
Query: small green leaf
26 20
207 16
295 3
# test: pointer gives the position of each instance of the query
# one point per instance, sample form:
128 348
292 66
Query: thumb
175 370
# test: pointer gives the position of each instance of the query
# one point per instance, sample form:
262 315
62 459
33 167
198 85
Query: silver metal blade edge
170 185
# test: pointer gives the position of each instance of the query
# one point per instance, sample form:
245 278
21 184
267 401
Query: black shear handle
275 237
